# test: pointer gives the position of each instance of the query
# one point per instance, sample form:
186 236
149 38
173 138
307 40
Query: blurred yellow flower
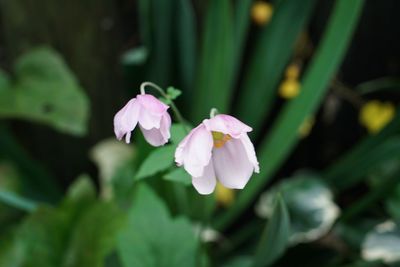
374 115
289 88
261 12
292 71
306 127
224 196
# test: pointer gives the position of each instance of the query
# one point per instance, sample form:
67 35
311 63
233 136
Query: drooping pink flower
152 116
219 148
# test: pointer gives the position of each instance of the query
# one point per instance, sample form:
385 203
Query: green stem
178 115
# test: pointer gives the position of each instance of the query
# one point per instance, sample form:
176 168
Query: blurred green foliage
144 211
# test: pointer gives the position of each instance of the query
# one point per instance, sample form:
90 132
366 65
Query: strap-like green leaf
284 135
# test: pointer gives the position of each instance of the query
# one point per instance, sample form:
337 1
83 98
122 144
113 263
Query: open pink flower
218 148
152 116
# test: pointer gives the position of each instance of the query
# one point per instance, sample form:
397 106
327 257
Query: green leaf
380 84
310 205
213 83
81 232
269 58
241 261
4 81
152 238
159 160
393 203
179 175
387 184
355 167
178 132
370 152
173 93
275 237
10 190
43 91
187 44
160 28
36 182
284 135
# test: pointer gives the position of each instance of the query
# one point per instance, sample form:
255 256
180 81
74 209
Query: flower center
220 139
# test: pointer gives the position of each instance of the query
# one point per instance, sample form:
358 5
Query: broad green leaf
81 232
213 83
382 243
178 175
268 60
284 135
310 205
152 238
178 132
275 237
43 91
159 160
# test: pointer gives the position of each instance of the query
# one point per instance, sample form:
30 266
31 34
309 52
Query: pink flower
218 148
152 116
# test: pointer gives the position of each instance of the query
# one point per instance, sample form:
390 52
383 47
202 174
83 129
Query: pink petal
232 165
158 137
227 124
250 151
152 111
148 120
152 104
194 152
126 119
206 183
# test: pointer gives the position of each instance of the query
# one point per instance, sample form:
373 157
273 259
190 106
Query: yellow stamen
220 139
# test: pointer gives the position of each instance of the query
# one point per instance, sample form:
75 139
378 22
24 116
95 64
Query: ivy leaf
152 238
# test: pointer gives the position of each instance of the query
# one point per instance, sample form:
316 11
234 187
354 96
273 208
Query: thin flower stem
347 94
178 115
213 112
